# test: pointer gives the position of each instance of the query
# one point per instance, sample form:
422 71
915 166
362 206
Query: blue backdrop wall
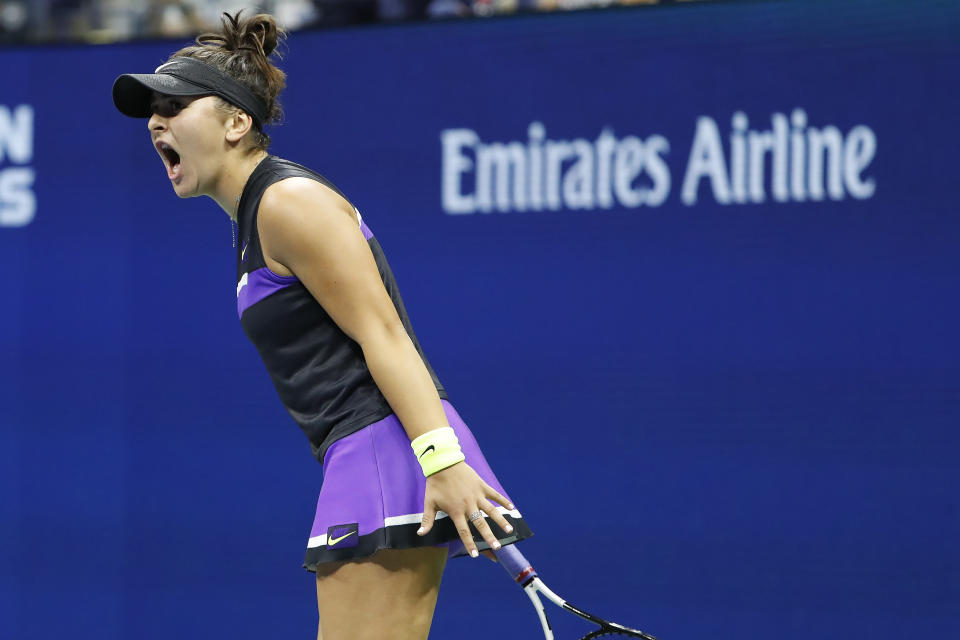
690 274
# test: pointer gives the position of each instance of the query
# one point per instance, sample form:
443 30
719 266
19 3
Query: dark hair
242 50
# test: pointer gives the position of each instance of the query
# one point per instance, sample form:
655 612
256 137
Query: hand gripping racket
523 573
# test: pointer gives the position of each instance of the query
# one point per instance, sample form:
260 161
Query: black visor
132 92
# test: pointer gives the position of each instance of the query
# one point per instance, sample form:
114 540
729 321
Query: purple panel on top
367 234
257 285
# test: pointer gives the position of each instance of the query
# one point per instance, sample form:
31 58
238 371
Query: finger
497 517
429 516
493 494
490 554
463 529
480 524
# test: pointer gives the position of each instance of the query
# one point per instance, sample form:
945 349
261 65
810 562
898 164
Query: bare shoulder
294 200
301 220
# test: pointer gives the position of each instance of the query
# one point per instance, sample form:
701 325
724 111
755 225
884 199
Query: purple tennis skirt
372 496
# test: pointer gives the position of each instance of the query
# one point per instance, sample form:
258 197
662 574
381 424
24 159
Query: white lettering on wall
18 204
790 161
787 160
548 174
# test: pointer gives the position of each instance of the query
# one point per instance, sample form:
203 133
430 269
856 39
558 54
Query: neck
233 178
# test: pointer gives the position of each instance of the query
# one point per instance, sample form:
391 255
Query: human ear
238 125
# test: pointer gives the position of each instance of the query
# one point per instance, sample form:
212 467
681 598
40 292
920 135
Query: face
188 133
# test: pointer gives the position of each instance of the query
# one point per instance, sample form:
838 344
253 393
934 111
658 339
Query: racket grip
515 564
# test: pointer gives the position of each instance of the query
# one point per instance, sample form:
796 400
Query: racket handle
515 564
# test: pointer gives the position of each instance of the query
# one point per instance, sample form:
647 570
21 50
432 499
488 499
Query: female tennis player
405 485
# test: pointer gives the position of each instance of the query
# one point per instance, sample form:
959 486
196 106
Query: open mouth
171 159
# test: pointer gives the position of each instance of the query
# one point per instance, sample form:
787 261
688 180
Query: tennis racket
523 573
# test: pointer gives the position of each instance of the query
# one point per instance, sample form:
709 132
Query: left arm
308 230
312 232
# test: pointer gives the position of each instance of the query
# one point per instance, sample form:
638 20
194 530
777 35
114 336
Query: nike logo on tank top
318 371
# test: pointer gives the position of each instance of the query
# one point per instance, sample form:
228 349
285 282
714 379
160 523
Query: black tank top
318 371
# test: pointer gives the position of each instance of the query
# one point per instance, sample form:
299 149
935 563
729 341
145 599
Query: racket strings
610 633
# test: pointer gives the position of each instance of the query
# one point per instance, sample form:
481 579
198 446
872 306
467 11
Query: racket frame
526 576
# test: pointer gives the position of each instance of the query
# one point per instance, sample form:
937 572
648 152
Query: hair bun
261 32
258 34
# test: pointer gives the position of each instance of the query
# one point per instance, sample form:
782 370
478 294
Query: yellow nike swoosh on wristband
333 541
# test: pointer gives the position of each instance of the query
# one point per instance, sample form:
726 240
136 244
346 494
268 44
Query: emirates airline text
786 161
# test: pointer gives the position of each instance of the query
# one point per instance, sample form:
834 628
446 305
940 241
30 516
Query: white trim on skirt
410 518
